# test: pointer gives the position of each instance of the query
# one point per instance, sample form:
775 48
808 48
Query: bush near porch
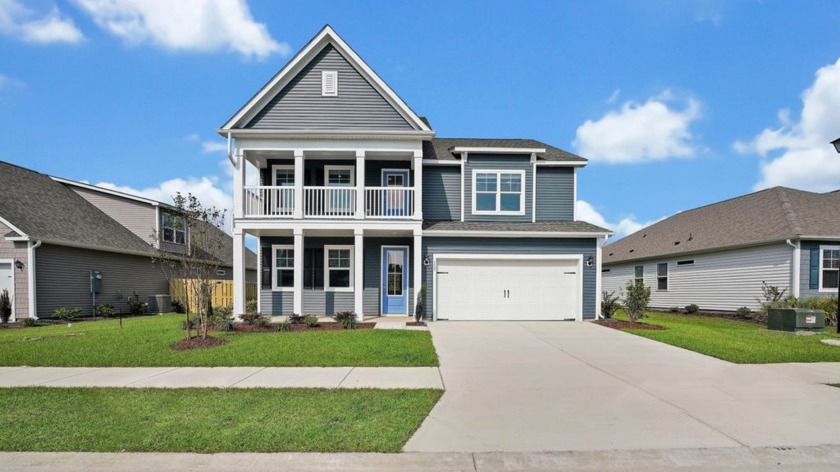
146 341
741 342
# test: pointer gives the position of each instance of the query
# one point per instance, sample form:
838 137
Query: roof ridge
790 214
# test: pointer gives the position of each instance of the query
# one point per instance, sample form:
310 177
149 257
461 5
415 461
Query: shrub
224 311
66 313
29 322
105 311
420 307
744 312
310 321
294 318
251 306
674 309
609 304
254 319
225 324
347 319
136 307
284 326
178 307
826 304
636 299
5 306
692 309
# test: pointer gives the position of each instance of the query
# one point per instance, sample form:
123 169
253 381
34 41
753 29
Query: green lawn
210 420
737 341
145 342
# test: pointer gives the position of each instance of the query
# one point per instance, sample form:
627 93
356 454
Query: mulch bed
415 323
272 328
616 324
197 343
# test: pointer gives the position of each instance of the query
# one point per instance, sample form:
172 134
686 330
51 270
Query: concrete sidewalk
222 377
817 458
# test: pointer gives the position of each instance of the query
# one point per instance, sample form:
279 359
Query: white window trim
327 170
174 231
407 173
274 173
327 269
274 278
498 173
821 288
660 277
324 91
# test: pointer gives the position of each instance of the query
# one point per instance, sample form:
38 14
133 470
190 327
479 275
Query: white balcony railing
269 201
329 202
389 202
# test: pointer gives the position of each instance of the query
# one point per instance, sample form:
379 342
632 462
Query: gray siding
276 303
17 251
555 193
498 162
138 217
724 280
442 192
586 247
63 278
319 302
805 289
300 104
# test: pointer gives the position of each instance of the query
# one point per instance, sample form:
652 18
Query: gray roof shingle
775 214
441 148
541 226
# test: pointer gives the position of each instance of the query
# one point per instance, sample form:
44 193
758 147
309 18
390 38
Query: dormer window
329 83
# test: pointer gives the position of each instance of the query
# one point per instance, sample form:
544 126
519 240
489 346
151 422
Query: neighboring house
718 256
54 232
358 204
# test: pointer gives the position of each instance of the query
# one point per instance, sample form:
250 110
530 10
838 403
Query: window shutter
329 83
265 267
814 282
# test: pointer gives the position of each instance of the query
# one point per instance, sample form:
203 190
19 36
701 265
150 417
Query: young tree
636 299
5 306
203 248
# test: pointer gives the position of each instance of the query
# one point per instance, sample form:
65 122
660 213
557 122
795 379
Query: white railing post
417 201
298 195
360 184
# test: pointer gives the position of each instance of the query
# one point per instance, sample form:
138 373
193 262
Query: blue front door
394 281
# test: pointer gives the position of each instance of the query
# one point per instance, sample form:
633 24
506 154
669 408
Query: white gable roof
326 36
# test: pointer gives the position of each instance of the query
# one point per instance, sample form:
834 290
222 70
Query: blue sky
676 104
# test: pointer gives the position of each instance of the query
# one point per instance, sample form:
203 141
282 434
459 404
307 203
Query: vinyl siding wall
724 280
63 278
498 162
138 217
805 289
585 247
442 193
555 193
300 104
17 251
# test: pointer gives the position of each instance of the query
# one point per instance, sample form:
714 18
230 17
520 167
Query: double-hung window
283 267
284 176
174 229
639 274
498 192
662 276
340 200
338 268
829 267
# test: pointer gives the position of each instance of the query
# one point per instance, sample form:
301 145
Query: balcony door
283 199
397 200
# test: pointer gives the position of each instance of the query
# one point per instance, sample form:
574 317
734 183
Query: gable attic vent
329 83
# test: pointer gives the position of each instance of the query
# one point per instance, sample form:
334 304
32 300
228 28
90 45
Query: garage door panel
507 289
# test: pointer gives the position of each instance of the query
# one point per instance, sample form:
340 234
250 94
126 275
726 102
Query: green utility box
795 319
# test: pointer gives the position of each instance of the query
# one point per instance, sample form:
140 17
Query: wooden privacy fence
222 291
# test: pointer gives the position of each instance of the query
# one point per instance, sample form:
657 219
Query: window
283 176
339 176
329 83
639 273
338 267
498 192
283 266
395 273
662 276
829 267
340 200
174 229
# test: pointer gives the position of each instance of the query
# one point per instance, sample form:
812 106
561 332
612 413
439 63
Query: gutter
33 300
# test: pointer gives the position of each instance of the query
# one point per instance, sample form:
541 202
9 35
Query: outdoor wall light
19 265
589 261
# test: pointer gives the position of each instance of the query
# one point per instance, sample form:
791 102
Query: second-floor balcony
330 202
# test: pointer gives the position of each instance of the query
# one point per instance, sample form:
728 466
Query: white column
238 272
796 276
599 244
359 273
239 185
298 187
417 264
360 184
298 289
418 185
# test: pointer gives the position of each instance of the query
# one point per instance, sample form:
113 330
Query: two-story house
359 203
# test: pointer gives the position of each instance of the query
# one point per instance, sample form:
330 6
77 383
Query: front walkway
222 377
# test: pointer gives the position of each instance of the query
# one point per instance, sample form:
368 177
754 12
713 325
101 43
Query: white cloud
628 225
800 154
186 25
213 146
8 82
29 26
640 132
191 137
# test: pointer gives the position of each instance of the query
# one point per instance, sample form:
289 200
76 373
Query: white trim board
115 193
497 150
12 294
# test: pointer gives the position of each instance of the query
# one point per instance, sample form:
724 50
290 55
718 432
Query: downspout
795 267
230 150
33 312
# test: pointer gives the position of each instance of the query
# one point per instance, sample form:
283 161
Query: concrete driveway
548 386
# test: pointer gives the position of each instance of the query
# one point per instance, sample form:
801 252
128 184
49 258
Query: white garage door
507 289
